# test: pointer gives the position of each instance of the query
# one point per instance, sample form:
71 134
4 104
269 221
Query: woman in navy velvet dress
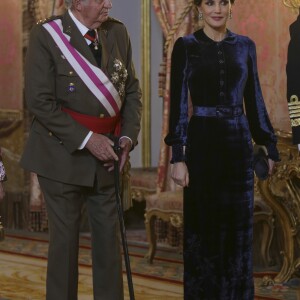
212 153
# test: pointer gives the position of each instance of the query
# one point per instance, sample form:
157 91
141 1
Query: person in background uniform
212 153
293 80
2 177
81 87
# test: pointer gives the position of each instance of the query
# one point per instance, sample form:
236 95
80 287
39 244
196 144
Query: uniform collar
77 39
82 28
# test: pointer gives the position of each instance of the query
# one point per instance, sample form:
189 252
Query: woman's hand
180 174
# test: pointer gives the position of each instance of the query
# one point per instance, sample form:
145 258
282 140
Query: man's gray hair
69 3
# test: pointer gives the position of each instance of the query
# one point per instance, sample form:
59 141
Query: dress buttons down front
219 52
221 82
50 133
222 72
221 61
222 94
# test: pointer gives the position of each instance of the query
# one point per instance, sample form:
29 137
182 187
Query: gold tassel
126 186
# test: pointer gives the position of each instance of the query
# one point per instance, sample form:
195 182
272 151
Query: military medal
95 44
96 41
92 35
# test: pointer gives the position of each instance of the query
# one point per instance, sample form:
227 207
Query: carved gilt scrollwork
282 193
9 121
293 4
176 220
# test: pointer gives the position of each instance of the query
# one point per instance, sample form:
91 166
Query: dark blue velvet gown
218 204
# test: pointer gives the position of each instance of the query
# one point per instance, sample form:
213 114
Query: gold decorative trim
294 100
293 4
11 114
9 121
281 193
146 82
176 220
295 122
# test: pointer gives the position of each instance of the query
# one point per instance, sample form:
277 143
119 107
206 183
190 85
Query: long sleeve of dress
259 122
178 121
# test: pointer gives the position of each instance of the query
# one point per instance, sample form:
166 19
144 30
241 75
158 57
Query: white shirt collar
82 28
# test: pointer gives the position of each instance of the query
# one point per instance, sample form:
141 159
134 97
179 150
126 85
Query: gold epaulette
110 19
46 20
294 110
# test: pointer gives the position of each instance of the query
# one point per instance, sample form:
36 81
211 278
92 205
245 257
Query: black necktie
94 45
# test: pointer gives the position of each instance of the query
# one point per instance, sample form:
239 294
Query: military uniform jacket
293 80
52 147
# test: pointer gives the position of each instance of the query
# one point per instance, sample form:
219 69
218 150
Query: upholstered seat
143 182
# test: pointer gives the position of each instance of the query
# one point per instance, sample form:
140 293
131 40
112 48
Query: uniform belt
98 125
217 111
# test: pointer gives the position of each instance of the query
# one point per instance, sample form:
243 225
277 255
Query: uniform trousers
64 206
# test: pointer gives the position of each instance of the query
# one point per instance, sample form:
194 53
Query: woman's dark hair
198 2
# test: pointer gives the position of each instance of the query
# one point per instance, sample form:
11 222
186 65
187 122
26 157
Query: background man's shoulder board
46 20
110 19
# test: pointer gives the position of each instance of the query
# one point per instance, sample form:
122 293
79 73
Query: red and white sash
94 78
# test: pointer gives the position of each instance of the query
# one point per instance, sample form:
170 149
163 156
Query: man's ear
59 3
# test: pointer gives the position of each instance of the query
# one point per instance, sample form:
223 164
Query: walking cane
117 150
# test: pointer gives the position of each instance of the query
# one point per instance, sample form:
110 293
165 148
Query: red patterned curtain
176 18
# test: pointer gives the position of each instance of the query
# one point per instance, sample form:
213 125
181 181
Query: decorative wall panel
11 55
267 23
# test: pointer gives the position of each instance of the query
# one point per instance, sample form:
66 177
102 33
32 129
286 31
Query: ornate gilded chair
143 182
167 206
281 192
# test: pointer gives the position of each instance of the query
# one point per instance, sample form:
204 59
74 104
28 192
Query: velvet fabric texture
218 203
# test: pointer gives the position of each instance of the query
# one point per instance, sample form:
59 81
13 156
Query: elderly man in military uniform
81 87
293 79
